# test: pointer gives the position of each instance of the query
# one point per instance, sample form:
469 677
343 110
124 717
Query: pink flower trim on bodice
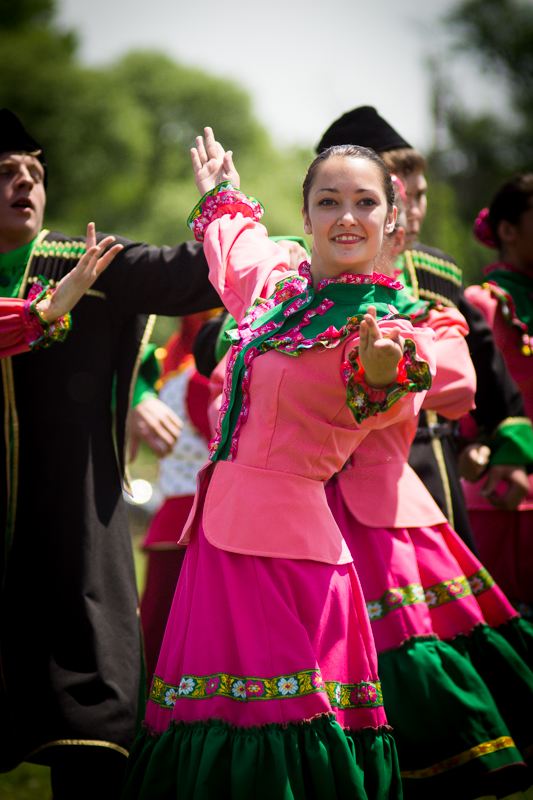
43 333
223 199
364 401
348 277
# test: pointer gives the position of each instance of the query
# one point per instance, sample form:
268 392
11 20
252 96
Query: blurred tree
117 138
474 153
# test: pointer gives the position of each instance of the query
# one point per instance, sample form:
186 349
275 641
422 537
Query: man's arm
172 281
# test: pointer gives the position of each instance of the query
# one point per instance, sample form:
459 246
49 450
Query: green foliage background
117 138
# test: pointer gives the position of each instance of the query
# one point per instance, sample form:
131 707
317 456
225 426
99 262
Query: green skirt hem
451 731
310 760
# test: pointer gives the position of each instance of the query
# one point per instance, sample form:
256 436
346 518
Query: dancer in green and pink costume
266 685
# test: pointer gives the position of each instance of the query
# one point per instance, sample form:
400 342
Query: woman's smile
347 216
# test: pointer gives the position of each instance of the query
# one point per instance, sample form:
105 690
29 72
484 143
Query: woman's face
347 216
517 240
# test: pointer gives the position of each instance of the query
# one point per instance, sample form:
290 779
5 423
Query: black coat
71 654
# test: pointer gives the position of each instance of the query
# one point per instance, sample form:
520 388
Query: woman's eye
327 201
367 201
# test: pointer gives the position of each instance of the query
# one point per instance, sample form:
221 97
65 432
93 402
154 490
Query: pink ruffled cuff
41 333
223 199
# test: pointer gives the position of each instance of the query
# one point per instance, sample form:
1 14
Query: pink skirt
505 542
254 640
427 576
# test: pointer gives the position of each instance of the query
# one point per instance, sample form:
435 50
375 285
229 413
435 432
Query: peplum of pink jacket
270 500
379 488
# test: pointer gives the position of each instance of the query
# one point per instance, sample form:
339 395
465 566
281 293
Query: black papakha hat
362 126
13 136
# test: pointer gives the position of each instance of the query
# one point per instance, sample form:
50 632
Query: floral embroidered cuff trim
223 199
366 694
43 333
364 401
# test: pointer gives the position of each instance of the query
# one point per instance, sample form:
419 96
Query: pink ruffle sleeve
454 385
21 327
244 264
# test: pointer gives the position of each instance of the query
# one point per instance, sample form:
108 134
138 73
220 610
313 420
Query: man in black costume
430 274
71 651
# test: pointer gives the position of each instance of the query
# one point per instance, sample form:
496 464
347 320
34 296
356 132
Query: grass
27 782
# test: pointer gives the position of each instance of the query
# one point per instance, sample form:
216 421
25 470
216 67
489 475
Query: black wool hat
362 126
13 136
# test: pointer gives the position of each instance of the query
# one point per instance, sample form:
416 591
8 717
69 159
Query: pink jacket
379 487
270 500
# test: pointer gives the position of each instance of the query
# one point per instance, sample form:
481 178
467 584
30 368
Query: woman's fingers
106 259
212 147
91 235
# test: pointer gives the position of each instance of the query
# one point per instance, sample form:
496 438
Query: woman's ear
506 231
391 220
307 224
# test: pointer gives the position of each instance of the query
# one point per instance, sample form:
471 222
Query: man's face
416 206
22 199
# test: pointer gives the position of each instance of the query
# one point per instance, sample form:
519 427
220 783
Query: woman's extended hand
379 355
73 286
211 164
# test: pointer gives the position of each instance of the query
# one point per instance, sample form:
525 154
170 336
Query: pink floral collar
348 277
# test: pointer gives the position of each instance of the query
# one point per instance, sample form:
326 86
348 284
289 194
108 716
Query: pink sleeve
378 408
244 263
454 385
21 326
482 299
16 329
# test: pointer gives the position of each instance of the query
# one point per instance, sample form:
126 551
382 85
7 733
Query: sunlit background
116 90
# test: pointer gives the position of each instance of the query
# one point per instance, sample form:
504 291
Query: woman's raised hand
73 286
379 355
211 164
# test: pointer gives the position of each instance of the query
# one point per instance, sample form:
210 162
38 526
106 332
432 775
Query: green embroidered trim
481 581
446 591
437 266
366 694
401 596
436 297
60 249
395 598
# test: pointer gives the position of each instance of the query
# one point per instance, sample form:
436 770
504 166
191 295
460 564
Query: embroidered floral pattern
364 402
447 591
223 199
399 597
45 332
433 596
366 694
481 582
483 749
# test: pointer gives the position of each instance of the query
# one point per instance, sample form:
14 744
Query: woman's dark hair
510 202
349 151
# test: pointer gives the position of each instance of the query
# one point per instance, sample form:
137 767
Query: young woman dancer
266 685
43 317
444 632
505 537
